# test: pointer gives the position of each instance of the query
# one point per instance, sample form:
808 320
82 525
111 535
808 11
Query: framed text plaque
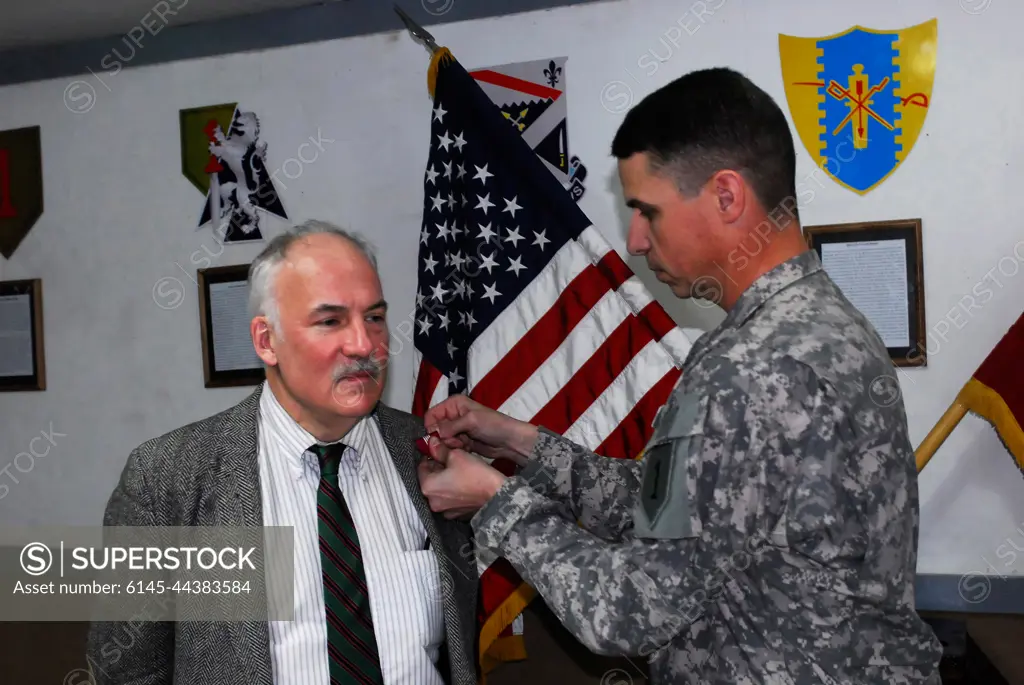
22 357
229 358
879 266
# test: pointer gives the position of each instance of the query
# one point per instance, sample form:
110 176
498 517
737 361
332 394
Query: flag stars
491 292
444 321
516 265
461 171
438 201
539 239
439 113
424 325
455 378
458 260
419 298
431 174
482 173
429 263
447 170
486 233
442 231
514 237
484 202
459 142
443 141
439 292
488 263
425 236
511 206
451 202
452 349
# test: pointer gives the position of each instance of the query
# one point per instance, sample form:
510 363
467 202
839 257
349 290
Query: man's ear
263 340
729 190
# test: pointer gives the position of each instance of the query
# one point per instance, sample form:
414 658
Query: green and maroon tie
351 645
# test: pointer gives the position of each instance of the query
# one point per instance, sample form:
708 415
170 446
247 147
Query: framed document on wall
229 358
22 358
879 267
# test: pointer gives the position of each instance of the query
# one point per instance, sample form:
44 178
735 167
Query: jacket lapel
400 446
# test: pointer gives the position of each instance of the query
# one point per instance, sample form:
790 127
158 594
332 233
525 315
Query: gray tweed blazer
207 474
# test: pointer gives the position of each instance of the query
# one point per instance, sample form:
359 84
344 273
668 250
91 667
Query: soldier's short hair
707 121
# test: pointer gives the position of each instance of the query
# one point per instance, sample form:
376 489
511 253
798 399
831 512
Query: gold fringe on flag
989 404
442 53
491 648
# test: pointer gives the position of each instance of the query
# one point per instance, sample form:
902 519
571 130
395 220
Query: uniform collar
759 292
295 441
770 284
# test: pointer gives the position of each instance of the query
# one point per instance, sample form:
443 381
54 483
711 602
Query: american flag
523 305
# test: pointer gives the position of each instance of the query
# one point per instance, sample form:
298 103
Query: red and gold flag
996 390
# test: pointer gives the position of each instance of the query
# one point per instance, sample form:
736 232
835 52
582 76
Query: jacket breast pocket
665 506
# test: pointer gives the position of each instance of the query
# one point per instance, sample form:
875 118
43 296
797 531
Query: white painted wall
120 217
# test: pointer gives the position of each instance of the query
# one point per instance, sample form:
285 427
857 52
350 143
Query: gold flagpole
939 432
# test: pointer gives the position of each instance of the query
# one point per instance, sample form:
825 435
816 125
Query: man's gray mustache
370 366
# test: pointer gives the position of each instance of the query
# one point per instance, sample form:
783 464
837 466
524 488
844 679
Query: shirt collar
770 284
294 440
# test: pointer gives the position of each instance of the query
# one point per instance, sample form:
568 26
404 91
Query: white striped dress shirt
402 577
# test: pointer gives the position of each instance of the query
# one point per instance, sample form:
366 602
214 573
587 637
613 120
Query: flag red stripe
614 268
1003 370
426 381
633 432
513 83
548 334
497 582
602 368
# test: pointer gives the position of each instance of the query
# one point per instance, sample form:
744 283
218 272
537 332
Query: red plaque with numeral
21 185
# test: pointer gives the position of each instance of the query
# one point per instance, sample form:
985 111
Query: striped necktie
351 644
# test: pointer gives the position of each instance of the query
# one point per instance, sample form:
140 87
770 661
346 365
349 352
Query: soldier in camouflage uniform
769 533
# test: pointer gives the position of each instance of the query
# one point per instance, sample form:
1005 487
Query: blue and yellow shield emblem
859 98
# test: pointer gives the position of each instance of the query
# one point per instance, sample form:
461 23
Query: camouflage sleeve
615 598
729 451
600 491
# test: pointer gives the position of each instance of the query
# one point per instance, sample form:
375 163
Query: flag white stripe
536 299
580 345
417 361
642 373
440 391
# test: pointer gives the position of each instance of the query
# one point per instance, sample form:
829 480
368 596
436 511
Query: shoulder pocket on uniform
664 506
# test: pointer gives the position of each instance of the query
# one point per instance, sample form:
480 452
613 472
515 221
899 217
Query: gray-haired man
385 590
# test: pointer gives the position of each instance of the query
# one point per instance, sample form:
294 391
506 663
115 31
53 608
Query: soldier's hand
455 482
466 424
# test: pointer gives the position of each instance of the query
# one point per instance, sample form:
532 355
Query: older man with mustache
384 589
